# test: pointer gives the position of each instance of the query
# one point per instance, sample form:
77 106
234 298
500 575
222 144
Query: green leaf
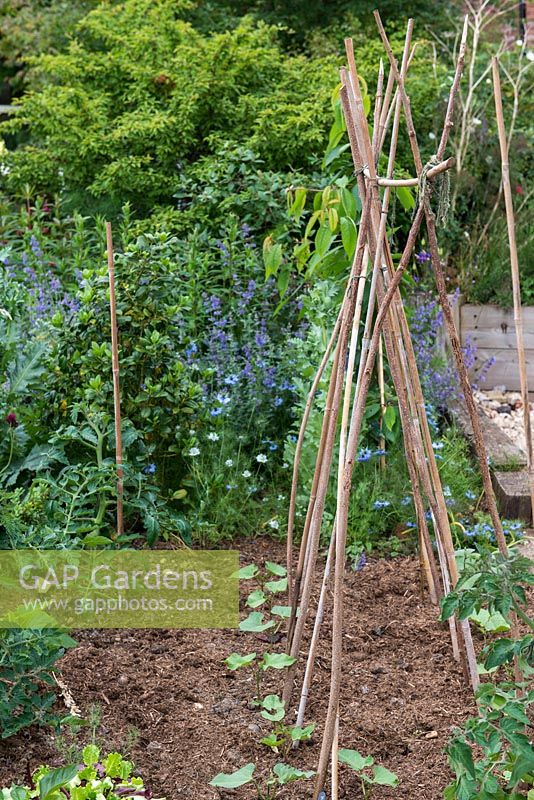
90 755
490 623
384 777
275 569
235 661
277 661
461 758
448 606
248 572
515 710
276 586
501 651
349 203
55 779
323 239
355 759
272 256
406 198
234 780
299 202
522 767
349 236
302 734
281 611
19 793
390 416
256 599
273 708
286 774
254 623
272 741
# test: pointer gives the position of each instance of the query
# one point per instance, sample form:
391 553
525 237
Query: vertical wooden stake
382 389
116 379
516 285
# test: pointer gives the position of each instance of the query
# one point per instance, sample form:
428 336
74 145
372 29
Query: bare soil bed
401 697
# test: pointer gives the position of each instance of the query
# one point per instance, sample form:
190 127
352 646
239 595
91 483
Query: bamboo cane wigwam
385 321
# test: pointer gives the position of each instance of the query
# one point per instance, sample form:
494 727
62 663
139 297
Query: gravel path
506 410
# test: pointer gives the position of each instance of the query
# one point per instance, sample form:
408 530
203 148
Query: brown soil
401 697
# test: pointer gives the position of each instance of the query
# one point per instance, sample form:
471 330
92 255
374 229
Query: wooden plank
505 370
513 494
502 452
497 339
493 316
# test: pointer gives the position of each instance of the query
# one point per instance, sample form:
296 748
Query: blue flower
278 402
406 500
379 452
378 504
364 454
362 561
423 257
150 470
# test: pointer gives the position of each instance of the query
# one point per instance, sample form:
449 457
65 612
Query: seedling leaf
254 623
274 708
285 773
354 759
276 586
235 661
275 569
256 599
277 661
246 573
234 780
384 777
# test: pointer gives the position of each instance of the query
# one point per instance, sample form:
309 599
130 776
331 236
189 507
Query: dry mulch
401 697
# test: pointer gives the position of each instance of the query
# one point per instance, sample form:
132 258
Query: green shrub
27 659
139 93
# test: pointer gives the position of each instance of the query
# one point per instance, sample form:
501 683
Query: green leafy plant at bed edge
109 778
492 755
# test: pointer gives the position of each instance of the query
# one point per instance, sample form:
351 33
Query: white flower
281 497
261 458
273 523
246 473
192 432
228 463
477 121
530 55
213 437
285 466
519 42
194 451
431 135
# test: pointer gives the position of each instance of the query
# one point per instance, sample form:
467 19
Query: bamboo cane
516 282
357 148
342 520
442 292
440 510
317 515
116 379
298 454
